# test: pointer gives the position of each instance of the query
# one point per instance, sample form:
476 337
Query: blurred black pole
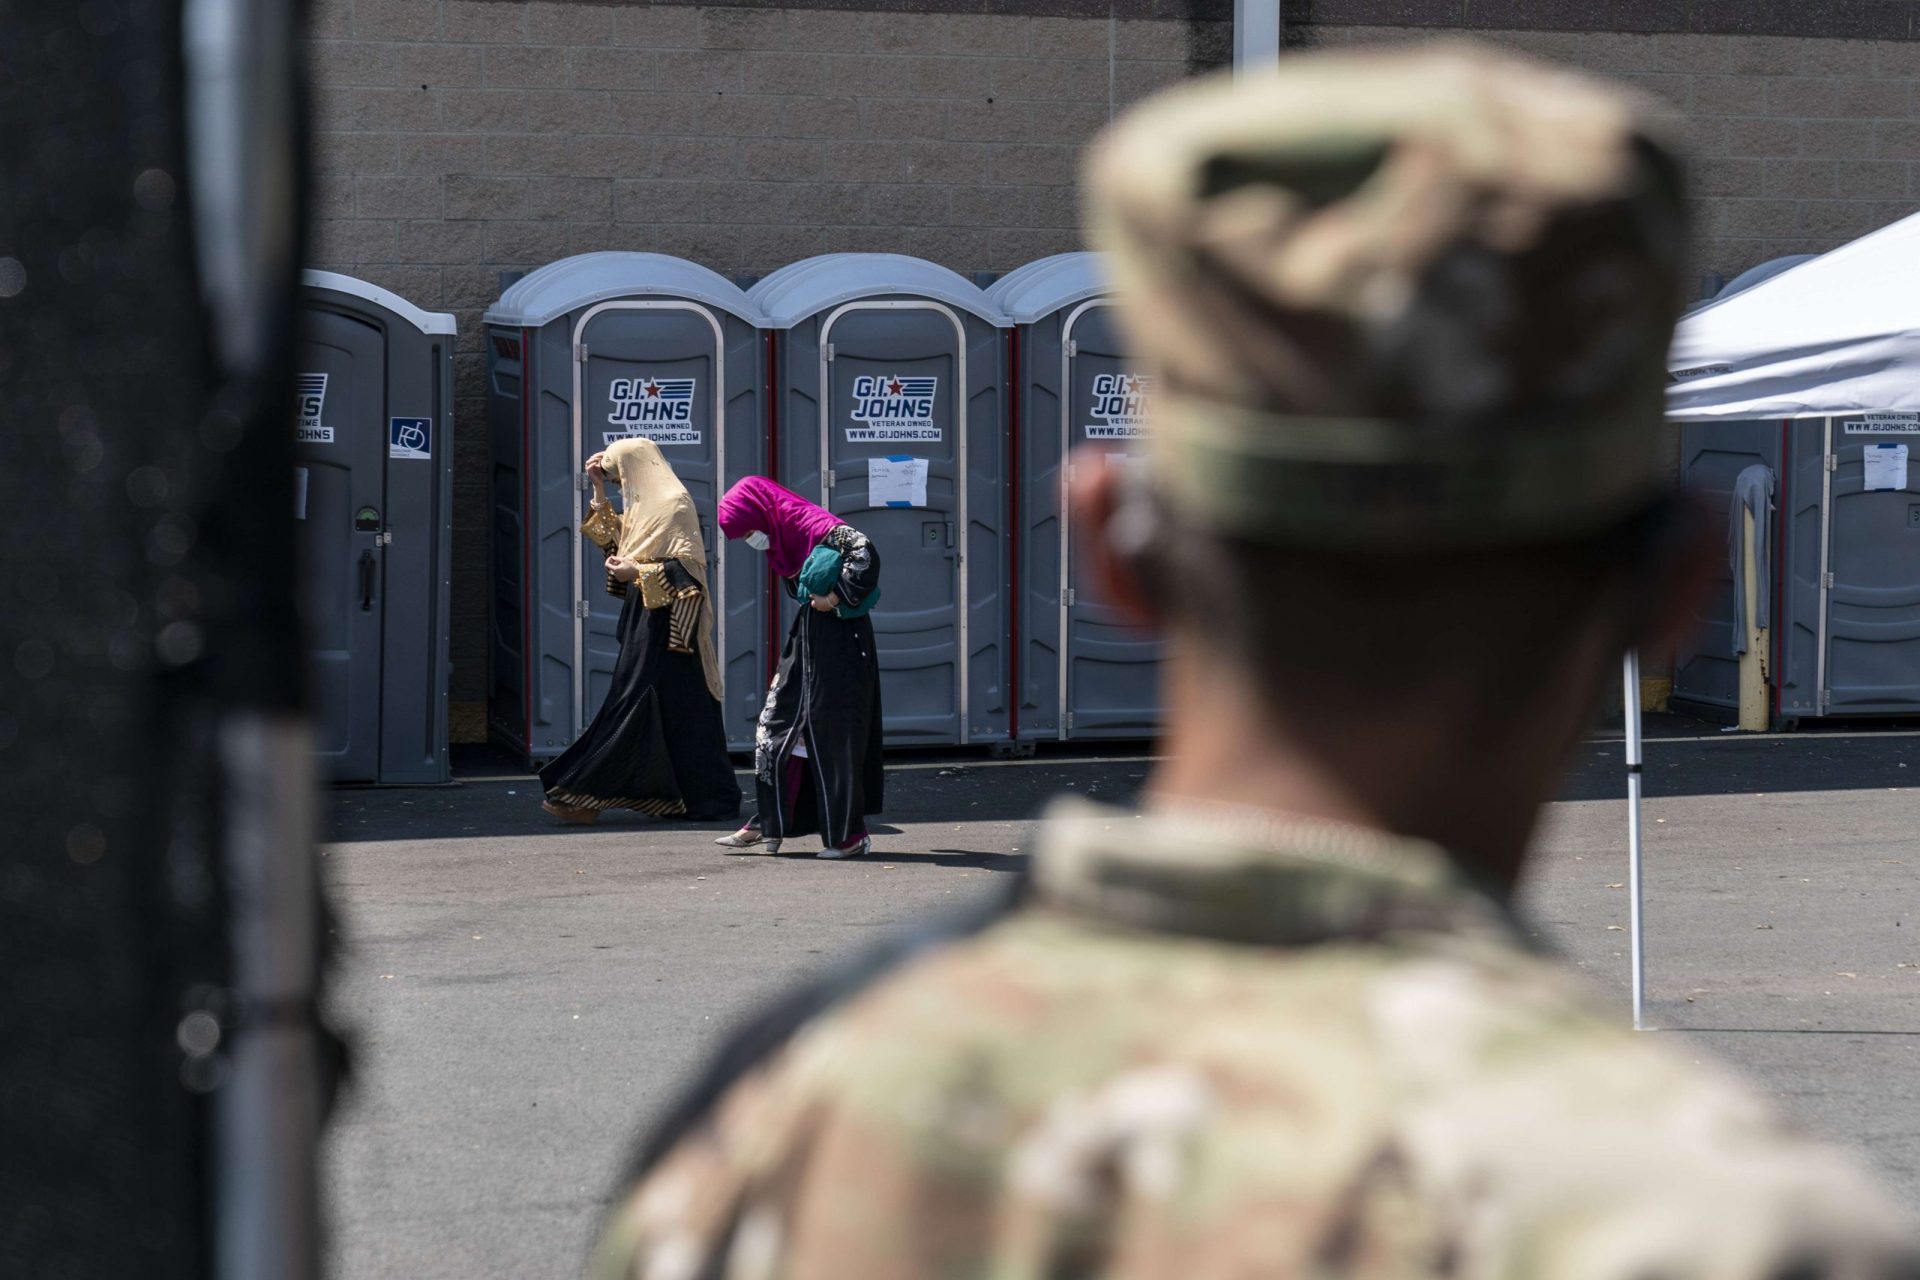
162 1072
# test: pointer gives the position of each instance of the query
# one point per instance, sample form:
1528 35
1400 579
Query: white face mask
758 541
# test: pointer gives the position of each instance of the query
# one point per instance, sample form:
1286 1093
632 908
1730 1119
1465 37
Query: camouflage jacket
1210 1046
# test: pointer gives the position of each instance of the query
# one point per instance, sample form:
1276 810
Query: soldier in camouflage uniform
1408 312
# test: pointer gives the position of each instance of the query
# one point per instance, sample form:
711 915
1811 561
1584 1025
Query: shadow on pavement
919 792
1687 757
493 797
1002 862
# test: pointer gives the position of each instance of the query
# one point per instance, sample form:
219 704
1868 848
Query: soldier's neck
1410 778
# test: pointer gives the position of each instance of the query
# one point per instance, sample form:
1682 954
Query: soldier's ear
1114 532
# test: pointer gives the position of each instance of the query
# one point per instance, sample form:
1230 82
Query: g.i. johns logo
889 407
312 391
661 409
1120 404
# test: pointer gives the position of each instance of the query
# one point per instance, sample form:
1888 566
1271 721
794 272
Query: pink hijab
793 525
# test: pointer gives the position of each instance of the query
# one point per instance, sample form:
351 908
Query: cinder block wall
456 139
1800 144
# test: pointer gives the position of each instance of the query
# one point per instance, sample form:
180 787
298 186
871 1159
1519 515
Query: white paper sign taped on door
1882 424
897 481
1886 466
1128 464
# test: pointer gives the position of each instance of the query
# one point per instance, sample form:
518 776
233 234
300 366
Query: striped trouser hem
653 808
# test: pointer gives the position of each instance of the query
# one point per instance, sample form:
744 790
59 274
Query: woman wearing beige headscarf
657 743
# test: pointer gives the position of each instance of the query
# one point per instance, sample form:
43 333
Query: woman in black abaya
657 744
817 761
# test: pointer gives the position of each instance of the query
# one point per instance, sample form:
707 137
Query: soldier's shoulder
1487 1072
1399 1098
1606 1151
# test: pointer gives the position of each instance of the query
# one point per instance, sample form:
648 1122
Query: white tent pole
1634 930
1256 34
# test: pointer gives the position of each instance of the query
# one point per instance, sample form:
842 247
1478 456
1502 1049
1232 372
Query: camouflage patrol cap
1418 296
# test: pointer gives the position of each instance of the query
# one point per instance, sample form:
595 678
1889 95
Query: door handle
949 535
366 581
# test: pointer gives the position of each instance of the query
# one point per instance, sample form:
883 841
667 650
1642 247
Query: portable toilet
1084 671
1706 667
373 495
1845 589
581 353
889 402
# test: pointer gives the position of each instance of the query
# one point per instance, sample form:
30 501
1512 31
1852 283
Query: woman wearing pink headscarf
817 758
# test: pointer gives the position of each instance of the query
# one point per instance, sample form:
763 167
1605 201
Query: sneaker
858 849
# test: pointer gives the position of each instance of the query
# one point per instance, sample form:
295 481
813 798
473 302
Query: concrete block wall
1799 144
457 139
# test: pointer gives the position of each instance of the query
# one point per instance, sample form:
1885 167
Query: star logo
894 388
651 389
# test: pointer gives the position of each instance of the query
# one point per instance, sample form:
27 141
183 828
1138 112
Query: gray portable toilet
1706 670
1846 565
1084 671
580 353
889 408
373 492
1761 274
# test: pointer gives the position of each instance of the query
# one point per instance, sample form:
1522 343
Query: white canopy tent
1837 334
1815 337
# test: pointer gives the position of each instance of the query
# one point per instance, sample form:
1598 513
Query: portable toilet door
1845 564
1086 671
584 352
373 494
889 381
1706 669
1868 656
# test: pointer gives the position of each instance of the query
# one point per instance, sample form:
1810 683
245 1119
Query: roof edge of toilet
804 289
428 322
1040 288
559 288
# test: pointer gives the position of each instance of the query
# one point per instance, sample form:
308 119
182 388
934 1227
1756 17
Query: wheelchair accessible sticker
410 437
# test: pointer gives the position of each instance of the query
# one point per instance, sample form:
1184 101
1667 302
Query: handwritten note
897 481
1886 466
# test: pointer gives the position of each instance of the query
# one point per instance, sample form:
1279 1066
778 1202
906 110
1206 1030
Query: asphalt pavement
522 996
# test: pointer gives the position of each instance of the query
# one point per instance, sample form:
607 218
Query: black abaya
826 695
657 743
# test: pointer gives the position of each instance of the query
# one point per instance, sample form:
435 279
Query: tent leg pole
1256 34
1634 922
1753 676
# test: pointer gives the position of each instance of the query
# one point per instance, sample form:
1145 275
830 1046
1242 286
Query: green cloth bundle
820 576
